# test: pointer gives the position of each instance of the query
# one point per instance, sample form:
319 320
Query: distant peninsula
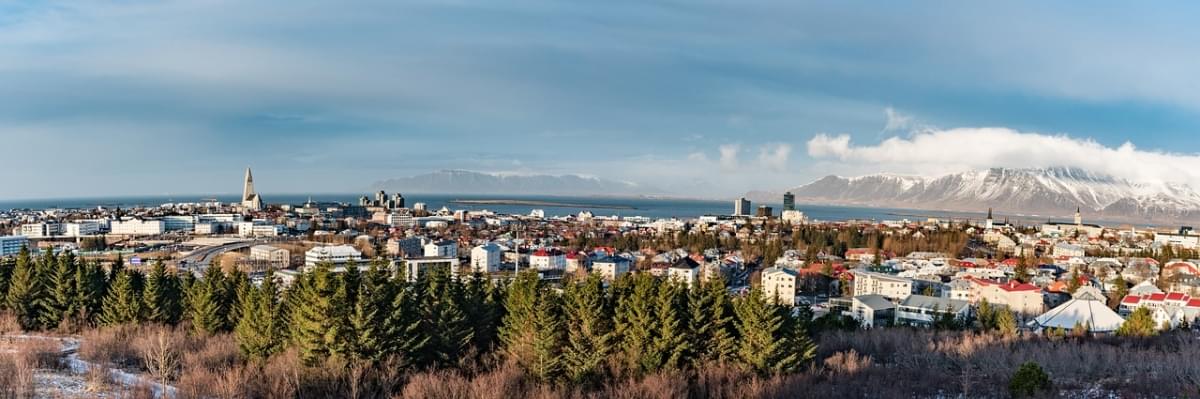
547 204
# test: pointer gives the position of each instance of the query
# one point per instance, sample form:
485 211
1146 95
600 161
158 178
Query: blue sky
707 99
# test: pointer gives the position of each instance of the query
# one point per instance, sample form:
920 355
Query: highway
197 261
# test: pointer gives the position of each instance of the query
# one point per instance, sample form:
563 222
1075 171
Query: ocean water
648 207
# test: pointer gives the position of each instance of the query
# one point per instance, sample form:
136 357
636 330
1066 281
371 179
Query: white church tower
250 200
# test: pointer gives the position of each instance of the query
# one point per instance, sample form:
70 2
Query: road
197 261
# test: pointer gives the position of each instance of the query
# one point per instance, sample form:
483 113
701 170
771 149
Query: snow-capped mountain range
1044 191
464 181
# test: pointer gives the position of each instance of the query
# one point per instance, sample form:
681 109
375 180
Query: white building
11 245
548 259
41 230
276 257
779 285
81 228
138 227
741 207
339 255
685 271
921 310
441 249
872 311
255 229
1180 240
870 283
610 267
792 216
485 258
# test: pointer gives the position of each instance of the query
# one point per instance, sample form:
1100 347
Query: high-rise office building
789 201
741 207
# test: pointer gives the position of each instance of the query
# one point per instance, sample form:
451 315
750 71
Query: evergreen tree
637 324
769 340
441 307
482 308
712 323
115 269
343 300
260 329
160 296
404 332
673 340
1006 323
91 287
590 336
369 318
24 291
237 288
547 338
315 325
61 304
122 304
519 332
986 315
6 270
1140 323
204 302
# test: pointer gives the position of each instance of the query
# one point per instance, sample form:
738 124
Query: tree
529 332
369 317
315 323
986 315
122 304
237 287
160 296
638 324
441 308
590 336
673 337
712 323
24 291
1073 284
1139 324
260 330
769 340
205 308
1028 380
60 304
1006 323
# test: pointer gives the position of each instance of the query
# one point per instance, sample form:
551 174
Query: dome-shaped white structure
1086 307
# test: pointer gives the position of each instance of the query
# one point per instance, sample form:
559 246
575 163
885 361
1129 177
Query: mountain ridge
1029 191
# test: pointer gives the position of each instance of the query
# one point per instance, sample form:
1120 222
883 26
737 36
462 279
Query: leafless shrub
9 323
214 352
16 377
110 345
99 379
159 349
847 363
39 353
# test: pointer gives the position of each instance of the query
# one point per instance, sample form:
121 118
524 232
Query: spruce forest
579 336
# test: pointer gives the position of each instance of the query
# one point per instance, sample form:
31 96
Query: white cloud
933 152
729 156
896 120
775 156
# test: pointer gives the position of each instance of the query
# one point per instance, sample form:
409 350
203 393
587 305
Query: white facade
1180 240
442 249
41 230
779 285
485 258
81 228
548 260
138 227
252 229
179 223
337 254
11 245
277 257
683 274
792 216
892 287
610 267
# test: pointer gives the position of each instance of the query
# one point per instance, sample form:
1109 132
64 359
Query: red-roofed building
1171 303
548 259
1176 267
865 255
1019 297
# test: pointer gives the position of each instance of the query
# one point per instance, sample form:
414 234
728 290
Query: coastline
547 204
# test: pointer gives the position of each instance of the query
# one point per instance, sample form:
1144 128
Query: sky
697 98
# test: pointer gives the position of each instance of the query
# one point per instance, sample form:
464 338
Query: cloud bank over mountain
934 152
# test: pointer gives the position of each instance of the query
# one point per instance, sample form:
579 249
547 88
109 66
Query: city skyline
174 97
